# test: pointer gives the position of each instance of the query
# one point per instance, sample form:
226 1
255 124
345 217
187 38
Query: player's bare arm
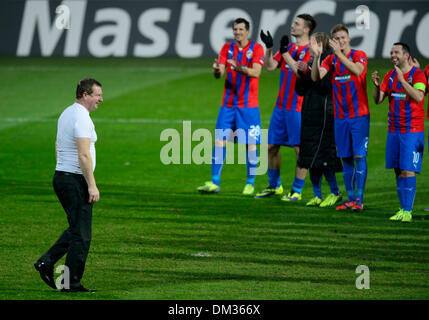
415 94
85 163
218 69
356 68
267 39
377 94
253 72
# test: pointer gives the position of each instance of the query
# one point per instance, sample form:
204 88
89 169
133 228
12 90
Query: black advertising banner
191 29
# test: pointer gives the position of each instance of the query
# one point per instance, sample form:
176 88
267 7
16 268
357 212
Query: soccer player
348 69
285 123
404 86
242 61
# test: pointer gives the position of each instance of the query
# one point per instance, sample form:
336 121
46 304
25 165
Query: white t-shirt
74 122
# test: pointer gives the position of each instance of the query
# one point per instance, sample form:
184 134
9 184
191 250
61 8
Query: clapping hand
316 47
267 39
335 46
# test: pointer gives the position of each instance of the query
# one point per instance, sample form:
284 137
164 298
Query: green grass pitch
154 236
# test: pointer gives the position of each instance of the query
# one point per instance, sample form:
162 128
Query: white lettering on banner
189 16
271 20
369 39
422 36
112 33
120 31
36 16
150 30
398 21
221 30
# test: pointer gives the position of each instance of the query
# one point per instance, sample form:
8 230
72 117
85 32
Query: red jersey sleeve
278 57
360 56
385 84
258 54
223 56
327 63
420 77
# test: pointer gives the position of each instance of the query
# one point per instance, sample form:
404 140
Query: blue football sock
399 188
332 180
348 176
252 164
316 181
274 178
409 192
361 173
218 158
298 185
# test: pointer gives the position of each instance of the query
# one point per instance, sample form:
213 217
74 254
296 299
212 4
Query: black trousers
72 191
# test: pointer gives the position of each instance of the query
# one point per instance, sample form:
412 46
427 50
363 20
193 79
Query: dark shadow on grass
186 276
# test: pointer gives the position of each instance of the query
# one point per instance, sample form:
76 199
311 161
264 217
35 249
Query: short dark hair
405 47
85 85
339 27
242 20
310 22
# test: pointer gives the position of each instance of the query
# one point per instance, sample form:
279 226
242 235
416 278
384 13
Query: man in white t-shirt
75 186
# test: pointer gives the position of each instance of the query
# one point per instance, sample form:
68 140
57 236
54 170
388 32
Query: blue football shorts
285 128
242 125
405 150
352 136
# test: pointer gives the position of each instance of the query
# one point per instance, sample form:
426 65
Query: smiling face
92 100
397 55
240 32
343 39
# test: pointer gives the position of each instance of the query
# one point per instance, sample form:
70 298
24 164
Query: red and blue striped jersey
287 97
241 91
405 114
348 91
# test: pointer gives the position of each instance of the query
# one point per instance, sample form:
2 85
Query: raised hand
267 39
335 46
413 62
399 73
316 47
284 42
375 78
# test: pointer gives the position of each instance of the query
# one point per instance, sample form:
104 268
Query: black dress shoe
78 289
46 273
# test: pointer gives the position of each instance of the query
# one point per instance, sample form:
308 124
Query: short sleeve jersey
241 91
287 97
348 91
73 123
405 114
